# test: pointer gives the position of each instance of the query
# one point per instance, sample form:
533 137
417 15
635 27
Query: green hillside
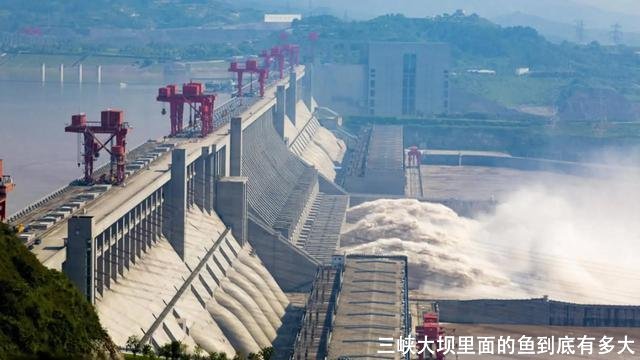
41 312
477 43
129 14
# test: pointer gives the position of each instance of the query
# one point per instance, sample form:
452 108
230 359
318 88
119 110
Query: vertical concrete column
235 166
61 73
80 73
135 229
100 268
99 74
231 205
126 254
222 162
209 177
81 255
292 97
120 256
43 73
107 264
139 232
176 202
149 221
200 177
308 94
113 250
280 111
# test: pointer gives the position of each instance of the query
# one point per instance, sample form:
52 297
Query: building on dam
405 79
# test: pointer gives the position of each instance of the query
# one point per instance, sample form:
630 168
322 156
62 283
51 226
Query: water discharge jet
571 241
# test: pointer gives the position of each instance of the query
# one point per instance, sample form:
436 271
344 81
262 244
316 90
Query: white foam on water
576 242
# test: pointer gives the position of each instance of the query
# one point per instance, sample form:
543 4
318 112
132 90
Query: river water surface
38 154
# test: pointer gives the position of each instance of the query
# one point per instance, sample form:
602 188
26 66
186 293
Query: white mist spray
577 241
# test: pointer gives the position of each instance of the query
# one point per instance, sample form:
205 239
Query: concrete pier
231 205
279 115
199 182
236 147
292 97
308 93
177 202
81 255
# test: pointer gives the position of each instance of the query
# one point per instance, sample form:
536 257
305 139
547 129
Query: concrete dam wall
198 243
316 145
295 210
230 303
380 167
537 312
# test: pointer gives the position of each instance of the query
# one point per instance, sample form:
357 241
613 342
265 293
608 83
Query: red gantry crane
192 95
111 124
414 157
251 67
266 61
278 56
293 51
6 186
282 52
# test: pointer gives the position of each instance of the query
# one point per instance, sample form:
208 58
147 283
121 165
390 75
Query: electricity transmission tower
616 33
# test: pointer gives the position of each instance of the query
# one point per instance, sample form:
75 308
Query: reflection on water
37 152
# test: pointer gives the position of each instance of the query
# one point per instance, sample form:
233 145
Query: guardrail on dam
156 255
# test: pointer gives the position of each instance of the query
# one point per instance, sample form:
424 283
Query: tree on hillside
267 353
218 356
134 345
147 351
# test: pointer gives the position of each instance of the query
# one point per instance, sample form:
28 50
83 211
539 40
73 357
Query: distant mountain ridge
558 31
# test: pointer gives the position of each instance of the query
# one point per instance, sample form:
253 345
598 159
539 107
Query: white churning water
573 242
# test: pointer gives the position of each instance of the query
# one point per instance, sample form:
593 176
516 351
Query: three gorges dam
244 231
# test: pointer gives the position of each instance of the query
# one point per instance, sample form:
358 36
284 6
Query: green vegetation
500 88
128 14
176 350
476 43
41 312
